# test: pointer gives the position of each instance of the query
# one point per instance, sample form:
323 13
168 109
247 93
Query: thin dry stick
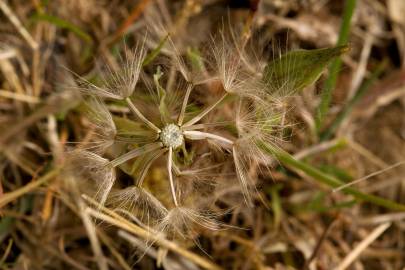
7 54
122 223
108 243
19 97
349 259
152 236
11 196
11 76
369 176
16 22
384 218
133 16
321 147
361 70
319 243
54 104
7 251
366 153
91 232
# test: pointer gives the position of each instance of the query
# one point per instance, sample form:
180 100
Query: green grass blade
336 64
61 23
155 52
295 70
276 205
331 181
349 107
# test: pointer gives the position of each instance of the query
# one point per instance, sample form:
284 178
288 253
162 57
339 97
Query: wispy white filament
199 135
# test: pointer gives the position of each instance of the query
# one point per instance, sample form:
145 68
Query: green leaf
361 91
155 52
164 111
327 179
334 68
64 25
336 172
276 205
296 70
318 204
194 55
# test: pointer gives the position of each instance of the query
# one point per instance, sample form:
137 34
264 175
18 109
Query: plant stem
329 180
349 106
199 135
336 64
11 196
141 116
170 173
155 52
184 106
150 235
205 112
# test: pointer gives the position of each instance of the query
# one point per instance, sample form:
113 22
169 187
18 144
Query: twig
16 22
117 220
134 15
319 244
11 196
349 259
19 97
91 232
321 147
369 176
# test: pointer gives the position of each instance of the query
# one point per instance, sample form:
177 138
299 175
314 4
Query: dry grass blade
55 104
91 231
115 219
135 13
368 176
16 22
13 195
19 97
351 257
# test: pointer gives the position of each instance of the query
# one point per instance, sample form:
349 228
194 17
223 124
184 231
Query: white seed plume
254 121
172 136
102 119
119 84
91 174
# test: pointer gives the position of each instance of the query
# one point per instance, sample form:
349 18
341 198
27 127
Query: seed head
171 136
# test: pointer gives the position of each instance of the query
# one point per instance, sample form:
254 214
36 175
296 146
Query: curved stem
169 171
183 107
199 135
147 166
205 112
141 116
